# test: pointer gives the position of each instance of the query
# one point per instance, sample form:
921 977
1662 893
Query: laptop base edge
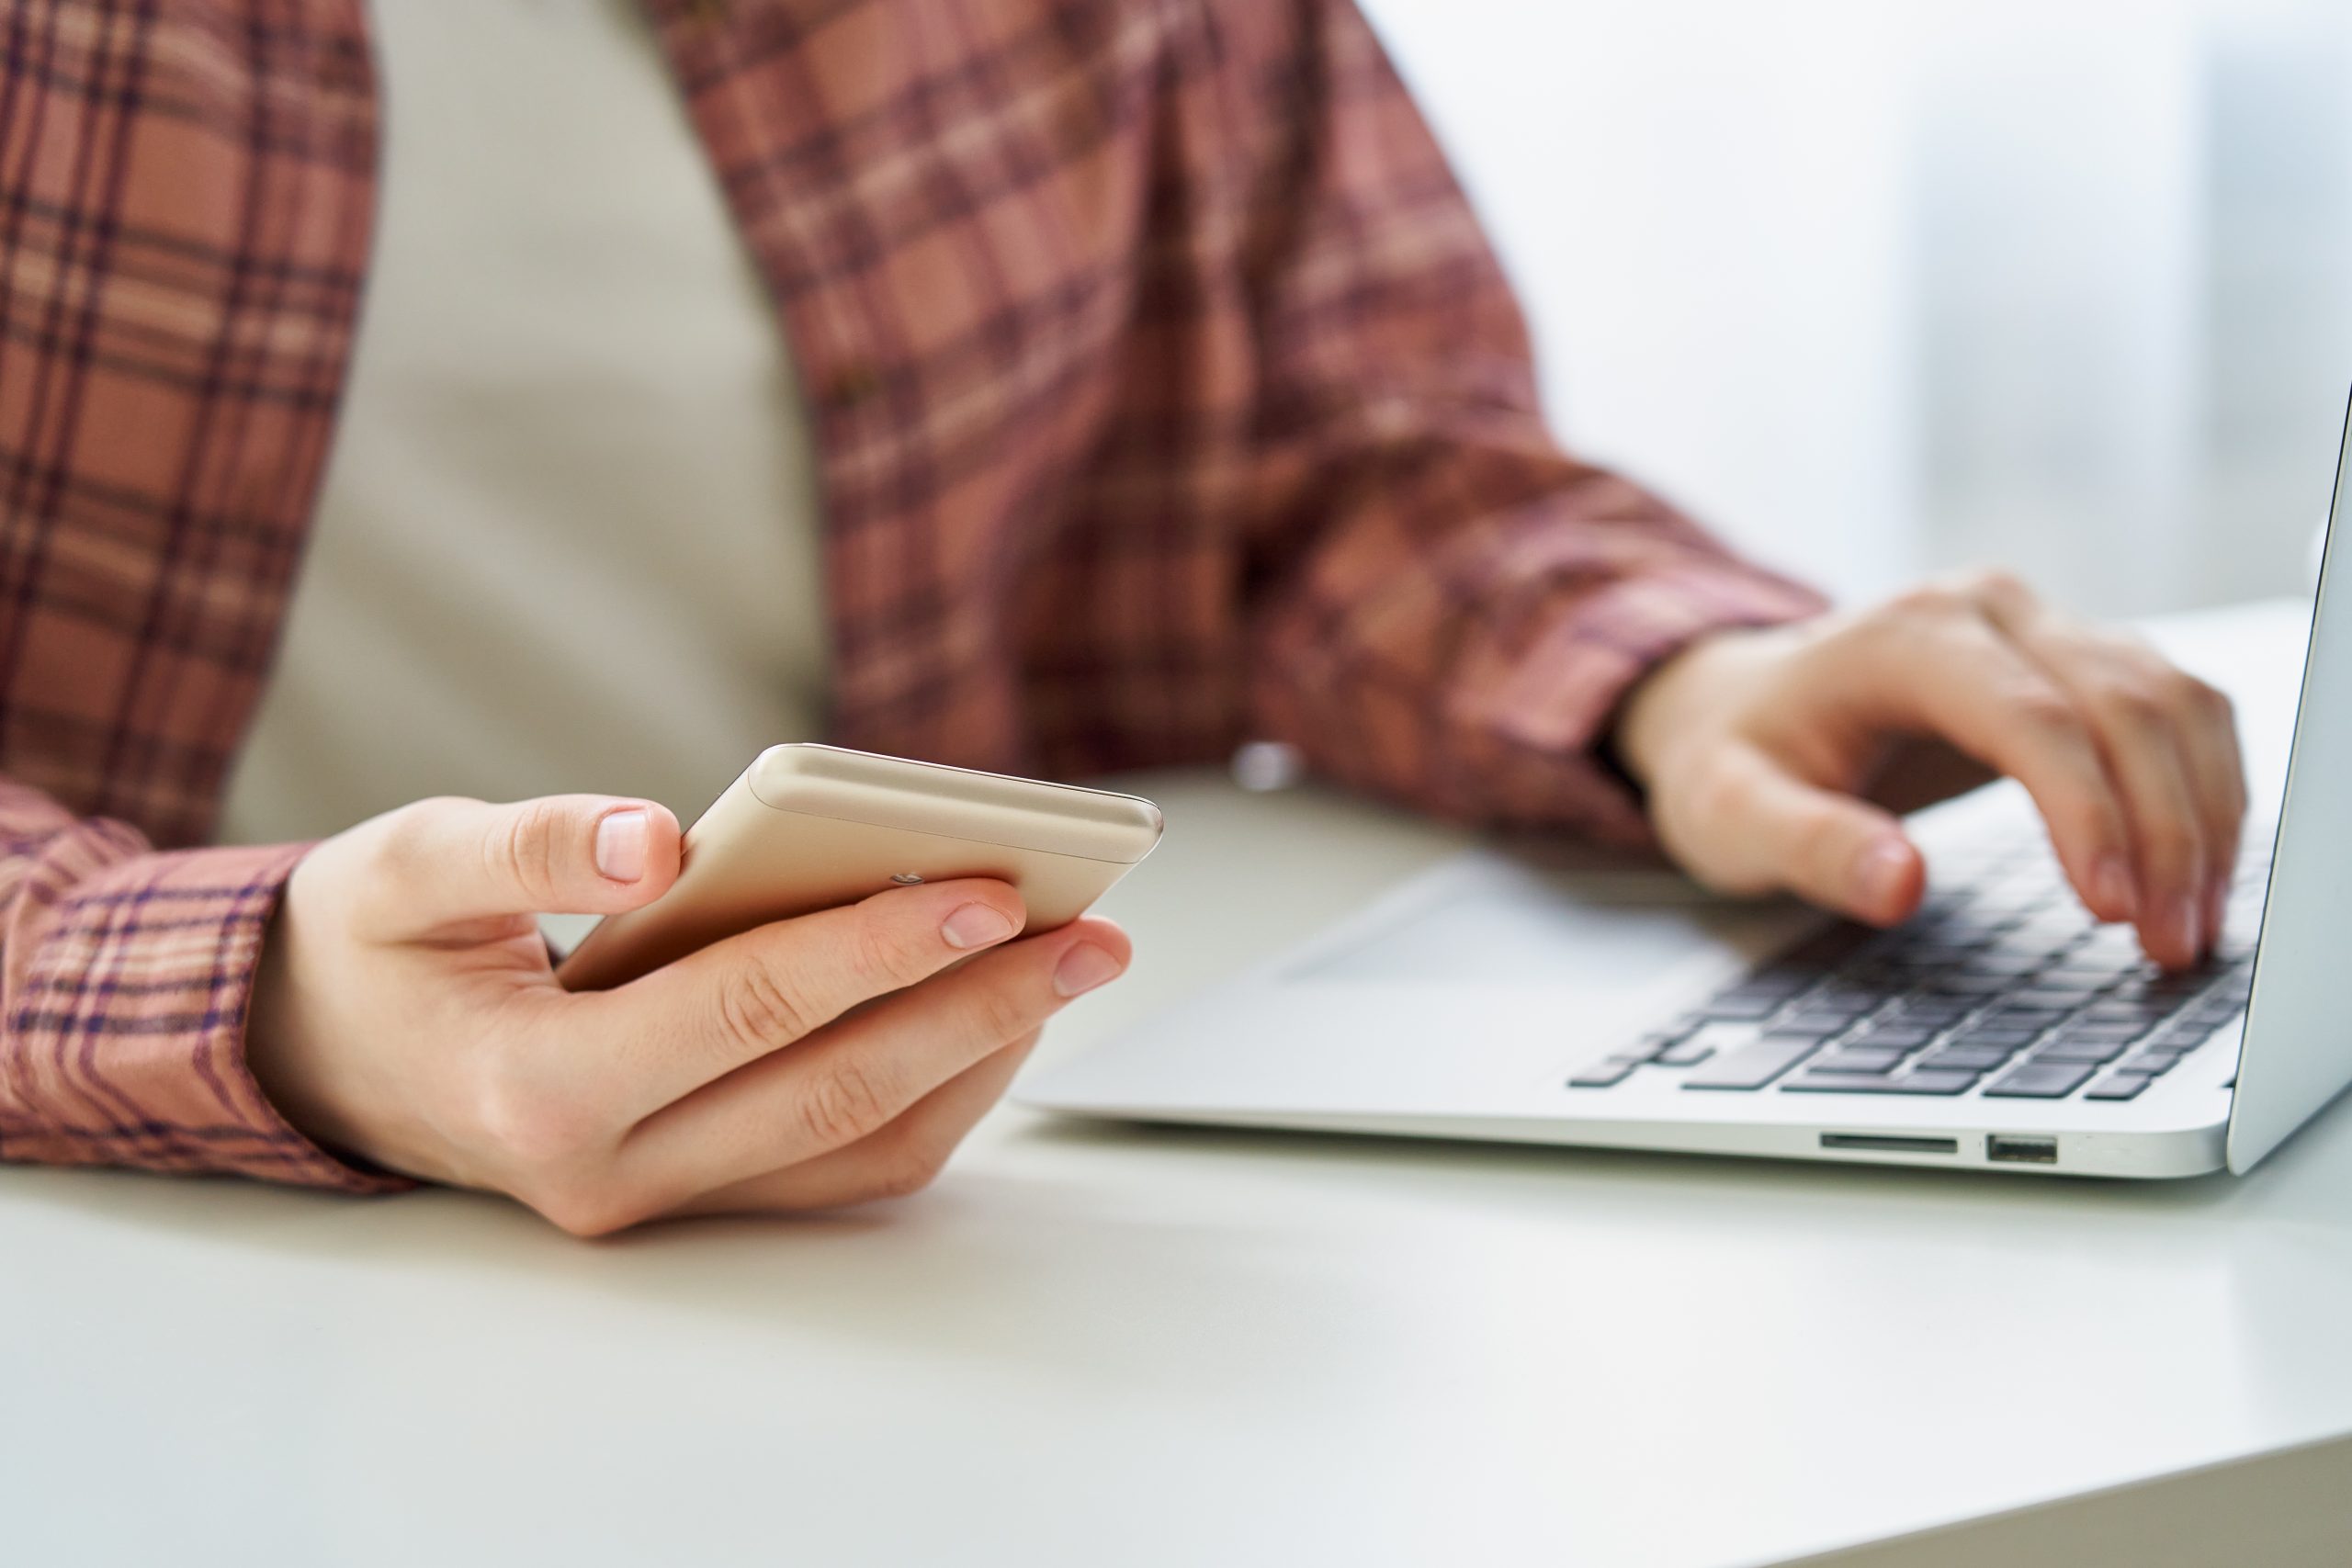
2169 1154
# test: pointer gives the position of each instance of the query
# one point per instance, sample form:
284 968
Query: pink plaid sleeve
124 976
1457 607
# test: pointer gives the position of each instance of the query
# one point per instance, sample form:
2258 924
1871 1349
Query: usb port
2020 1149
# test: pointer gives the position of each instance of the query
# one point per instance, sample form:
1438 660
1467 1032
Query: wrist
289 1074
1654 714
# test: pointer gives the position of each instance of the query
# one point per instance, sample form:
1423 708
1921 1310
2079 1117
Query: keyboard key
2119 1084
2001 1035
1684 1053
1942 952
1606 1073
2114 1030
2153 1061
1967 984
2040 1080
2010 964
1922 1082
1894 1036
2073 977
2095 1051
1809 1012
1752 1066
2022 1015
1733 1005
1857 1059
2064 995
2138 1009
1813 1029
1967 1058
2041 996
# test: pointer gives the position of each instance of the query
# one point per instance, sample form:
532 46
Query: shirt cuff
128 986
1546 712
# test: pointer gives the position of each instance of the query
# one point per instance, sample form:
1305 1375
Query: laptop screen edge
2271 1100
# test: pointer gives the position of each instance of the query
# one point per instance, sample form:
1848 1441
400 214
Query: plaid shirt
1166 395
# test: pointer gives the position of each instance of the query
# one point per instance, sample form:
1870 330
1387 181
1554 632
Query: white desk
1097 1345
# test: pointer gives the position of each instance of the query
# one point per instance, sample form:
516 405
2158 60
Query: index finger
715 1010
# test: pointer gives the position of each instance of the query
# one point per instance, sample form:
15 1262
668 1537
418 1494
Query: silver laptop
2001 1028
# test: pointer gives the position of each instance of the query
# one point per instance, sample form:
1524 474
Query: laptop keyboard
2001 986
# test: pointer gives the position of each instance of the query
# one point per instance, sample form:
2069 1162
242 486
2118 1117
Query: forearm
1472 663
1450 609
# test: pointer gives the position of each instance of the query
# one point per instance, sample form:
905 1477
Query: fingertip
633 848
2173 934
1106 934
1890 877
2164 952
664 847
1087 953
1097 957
2109 889
998 894
977 923
970 912
912 887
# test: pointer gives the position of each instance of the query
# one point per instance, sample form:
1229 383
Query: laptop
1500 997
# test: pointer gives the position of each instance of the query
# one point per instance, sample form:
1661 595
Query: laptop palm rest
1482 976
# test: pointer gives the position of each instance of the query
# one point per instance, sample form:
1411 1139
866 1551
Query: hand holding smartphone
809 827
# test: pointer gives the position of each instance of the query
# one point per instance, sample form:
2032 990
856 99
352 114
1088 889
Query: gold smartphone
807 827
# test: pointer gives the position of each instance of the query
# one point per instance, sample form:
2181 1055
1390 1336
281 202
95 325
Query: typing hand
1775 759
405 1013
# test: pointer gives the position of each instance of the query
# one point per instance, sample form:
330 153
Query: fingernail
976 925
1082 968
2189 926
1879 871
2111 885
620 844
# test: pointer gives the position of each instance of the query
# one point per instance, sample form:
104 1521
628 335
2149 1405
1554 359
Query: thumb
1771 828
440 862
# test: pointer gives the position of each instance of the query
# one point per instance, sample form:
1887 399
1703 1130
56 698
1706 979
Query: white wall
1879 286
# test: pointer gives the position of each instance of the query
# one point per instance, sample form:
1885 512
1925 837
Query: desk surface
1141 1345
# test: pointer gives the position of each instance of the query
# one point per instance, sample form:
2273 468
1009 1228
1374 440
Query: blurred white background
1877 286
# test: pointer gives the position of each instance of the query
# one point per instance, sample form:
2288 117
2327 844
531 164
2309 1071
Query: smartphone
807 828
